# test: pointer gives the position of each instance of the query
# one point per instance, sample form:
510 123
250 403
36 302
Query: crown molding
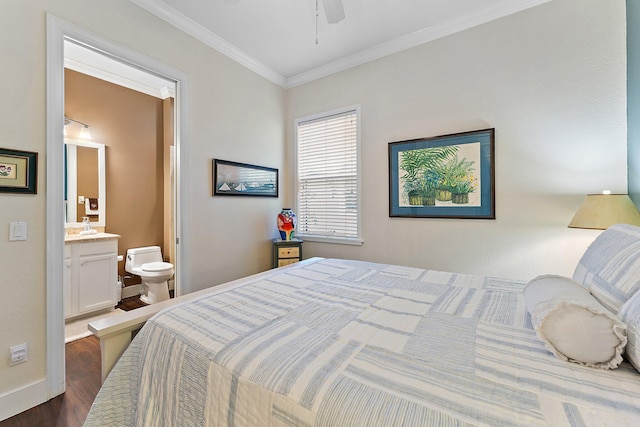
189 26
411 40
180 21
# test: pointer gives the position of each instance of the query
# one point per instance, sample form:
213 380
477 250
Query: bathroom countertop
90 237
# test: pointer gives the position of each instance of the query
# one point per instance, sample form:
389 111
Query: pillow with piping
573 325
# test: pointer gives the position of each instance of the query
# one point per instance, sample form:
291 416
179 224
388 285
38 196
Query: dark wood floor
83 382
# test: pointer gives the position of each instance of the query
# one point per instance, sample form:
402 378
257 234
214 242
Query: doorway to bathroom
130 112
60 36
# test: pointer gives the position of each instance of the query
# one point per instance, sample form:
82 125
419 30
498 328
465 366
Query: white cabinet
91 274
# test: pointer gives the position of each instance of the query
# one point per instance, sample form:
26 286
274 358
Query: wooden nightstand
286 252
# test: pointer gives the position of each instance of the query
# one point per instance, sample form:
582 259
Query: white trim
338 111
324 114
182 22
336 240
132 291
55 209
182 225
22 399
105 75
57 31
72 184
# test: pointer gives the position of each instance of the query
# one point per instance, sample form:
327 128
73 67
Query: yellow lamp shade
600 211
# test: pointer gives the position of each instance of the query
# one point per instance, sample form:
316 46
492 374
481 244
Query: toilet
147 263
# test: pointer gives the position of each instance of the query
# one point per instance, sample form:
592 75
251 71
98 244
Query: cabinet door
97 277
66 283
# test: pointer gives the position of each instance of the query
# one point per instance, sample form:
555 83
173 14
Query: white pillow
610 267
630 314
572 323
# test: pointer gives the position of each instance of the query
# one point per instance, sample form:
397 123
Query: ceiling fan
333 10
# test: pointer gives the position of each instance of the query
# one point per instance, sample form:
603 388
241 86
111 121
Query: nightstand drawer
287 261
290 252
286 252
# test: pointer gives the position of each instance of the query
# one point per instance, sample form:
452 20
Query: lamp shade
600 211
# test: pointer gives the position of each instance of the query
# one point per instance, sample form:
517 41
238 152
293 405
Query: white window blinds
327 174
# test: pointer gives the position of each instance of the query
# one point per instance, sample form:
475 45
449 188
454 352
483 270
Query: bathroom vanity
90 273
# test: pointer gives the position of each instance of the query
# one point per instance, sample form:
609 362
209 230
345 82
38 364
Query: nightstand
286 252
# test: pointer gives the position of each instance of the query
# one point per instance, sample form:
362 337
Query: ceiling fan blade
333 10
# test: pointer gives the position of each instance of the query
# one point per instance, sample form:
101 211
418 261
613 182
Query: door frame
57 31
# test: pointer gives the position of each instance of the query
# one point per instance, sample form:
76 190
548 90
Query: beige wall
550 80
234 114
131 125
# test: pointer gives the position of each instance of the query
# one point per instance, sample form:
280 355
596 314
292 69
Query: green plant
465 184
421 167
413 162
457 176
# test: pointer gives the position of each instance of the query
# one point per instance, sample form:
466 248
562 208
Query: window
328 201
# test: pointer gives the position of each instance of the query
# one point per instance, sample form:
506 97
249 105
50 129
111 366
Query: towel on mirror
91 206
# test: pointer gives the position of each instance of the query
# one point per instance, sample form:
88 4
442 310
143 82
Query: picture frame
448 176
18 171
241 179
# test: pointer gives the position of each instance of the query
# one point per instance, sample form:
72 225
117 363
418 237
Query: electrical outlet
18 354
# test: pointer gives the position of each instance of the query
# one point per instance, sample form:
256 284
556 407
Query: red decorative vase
286 223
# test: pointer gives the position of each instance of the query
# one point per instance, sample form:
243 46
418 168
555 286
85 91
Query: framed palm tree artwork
449 176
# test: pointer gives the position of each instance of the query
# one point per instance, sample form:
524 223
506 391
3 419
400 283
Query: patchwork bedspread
349 343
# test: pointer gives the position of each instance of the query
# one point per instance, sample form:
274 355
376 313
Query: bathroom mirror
84 183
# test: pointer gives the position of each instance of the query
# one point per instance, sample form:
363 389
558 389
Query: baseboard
135 290
24 398
131 291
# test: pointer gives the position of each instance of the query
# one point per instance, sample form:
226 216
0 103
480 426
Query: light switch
81 200
17 231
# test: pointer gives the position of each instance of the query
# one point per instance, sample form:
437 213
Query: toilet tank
138 256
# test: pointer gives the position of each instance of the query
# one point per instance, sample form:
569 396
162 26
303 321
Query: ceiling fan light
333 10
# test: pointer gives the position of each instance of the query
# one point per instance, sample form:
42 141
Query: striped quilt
350 343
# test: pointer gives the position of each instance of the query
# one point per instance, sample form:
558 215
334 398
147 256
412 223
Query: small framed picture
241 179
449 176
18 171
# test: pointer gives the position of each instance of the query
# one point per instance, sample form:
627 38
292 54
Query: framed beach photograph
449 176
241 179
18 171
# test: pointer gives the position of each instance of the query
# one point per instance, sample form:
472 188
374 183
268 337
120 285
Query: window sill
335 240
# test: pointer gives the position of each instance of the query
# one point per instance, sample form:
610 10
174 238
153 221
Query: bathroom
136 129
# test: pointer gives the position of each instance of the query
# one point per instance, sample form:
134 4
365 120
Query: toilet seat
154 271
156 267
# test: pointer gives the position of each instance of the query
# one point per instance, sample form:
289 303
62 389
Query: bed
331 342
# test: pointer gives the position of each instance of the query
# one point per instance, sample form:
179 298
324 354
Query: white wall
234 115
550 80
